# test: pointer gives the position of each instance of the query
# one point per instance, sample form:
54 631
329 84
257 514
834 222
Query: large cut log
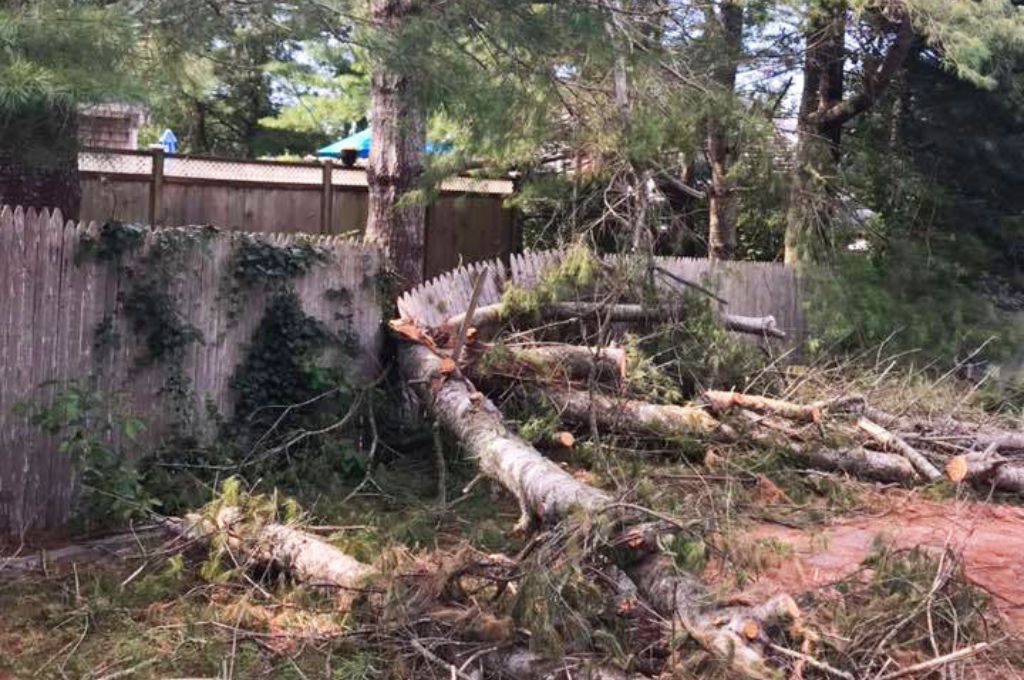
986 467
549 493
859 462
490 315
563 360
890 441
640 417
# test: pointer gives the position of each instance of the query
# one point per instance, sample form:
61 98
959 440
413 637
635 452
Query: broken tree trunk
892 442
491 315
641 417
550 493
572 362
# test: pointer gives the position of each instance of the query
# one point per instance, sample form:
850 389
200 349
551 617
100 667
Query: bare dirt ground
988 538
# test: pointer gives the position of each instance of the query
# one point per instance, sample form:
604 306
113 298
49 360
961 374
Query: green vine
258 263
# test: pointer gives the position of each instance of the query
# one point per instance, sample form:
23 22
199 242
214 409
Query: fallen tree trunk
986 467
490 315
543 490
890 441
548 492
860 463
563 360
641 417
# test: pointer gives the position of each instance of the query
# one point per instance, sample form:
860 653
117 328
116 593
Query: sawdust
988 538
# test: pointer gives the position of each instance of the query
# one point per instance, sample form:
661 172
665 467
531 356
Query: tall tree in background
970 38
398 122
53 56
725 27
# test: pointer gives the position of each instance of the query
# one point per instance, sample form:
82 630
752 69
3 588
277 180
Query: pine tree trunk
721 202
817 151
398 138
39 157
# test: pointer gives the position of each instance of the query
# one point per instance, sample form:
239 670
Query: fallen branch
932 664
892 442
491 315
630 415
306 557
860 463
571 362
721 402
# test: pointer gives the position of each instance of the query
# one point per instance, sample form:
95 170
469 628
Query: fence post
156 184
326 198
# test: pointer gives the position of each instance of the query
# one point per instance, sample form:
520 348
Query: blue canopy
360 141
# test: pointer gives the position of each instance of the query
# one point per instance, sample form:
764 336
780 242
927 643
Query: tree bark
39 158
892 442
723 401
823 112
859 463
490 315
398 137
549 493
727 27
641 417
817 148
562 361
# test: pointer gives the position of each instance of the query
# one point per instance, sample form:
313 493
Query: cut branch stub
986 467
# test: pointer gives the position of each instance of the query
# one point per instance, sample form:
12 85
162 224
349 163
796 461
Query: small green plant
87 427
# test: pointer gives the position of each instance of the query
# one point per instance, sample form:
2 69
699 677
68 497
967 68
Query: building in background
110 126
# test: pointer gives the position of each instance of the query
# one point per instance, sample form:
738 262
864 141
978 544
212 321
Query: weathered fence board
750 288
52 301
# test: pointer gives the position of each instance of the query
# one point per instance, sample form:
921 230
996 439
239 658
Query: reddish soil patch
989 539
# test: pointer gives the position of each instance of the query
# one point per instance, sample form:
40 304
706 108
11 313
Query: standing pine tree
53 55
399 133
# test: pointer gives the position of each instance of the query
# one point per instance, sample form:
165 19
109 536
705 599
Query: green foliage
258 263
695 352
909 598
908 301
574 276
279 366
93 434
57 52
114 241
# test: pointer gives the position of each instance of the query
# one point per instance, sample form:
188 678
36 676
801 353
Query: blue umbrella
360 141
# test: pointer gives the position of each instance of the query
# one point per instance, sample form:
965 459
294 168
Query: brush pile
595 349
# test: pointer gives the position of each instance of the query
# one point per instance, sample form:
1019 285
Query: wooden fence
467 222
53 303
750 288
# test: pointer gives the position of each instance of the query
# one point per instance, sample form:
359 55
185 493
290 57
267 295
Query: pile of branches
591 555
